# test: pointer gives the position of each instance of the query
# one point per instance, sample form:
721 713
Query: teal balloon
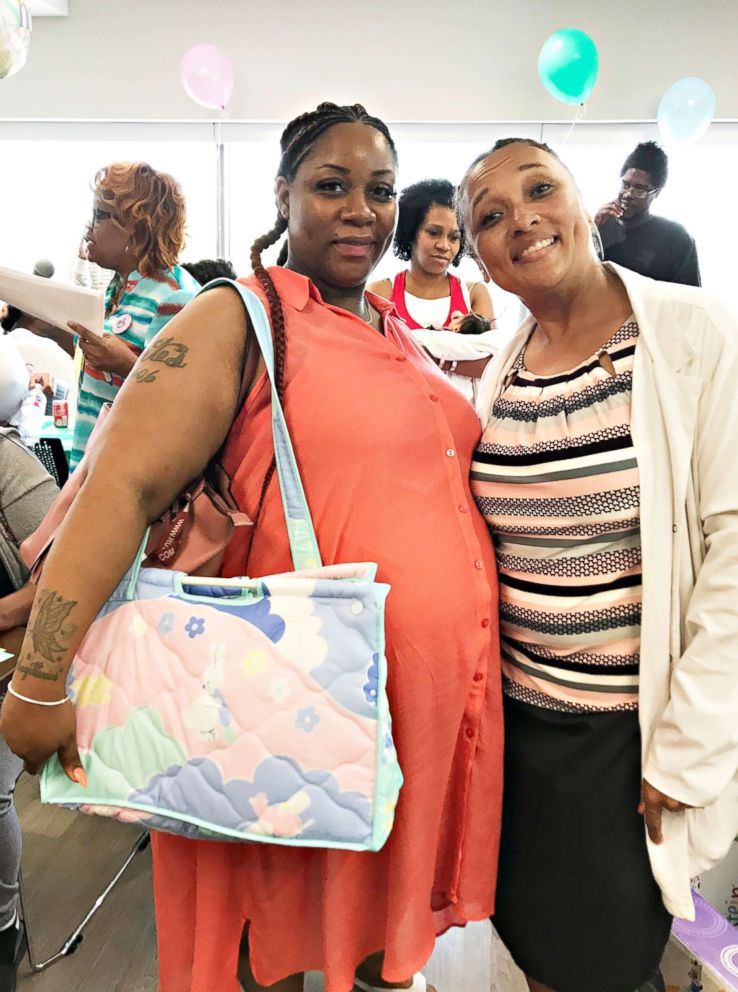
686 111
568 65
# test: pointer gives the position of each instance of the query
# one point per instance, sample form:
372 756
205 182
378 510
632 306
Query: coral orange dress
384 447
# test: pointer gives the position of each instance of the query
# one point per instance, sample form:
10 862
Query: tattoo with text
49 638
146 375
167 351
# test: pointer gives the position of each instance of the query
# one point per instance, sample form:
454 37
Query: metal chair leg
73 941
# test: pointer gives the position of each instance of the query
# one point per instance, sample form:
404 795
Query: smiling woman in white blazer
660 362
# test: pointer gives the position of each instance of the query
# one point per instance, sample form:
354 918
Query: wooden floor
69 859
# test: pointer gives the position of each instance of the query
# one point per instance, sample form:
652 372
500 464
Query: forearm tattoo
165 351
47 640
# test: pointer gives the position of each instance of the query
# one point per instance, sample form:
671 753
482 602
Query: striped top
144 300
556 478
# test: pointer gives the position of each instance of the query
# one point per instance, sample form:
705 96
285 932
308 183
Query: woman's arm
15 608
693 752
481 303
472 369
169 419
26 493
26 490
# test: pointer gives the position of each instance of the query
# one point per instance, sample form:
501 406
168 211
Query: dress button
479 564
450 452
469 732
478 676
401 358
673 528
433 398
485 622
463 508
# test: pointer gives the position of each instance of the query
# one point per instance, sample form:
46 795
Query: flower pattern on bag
166 623
195 626
371 686
307 719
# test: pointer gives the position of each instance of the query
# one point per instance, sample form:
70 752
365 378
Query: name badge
121 324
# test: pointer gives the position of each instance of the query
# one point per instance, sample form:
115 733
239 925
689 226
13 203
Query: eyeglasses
100 215
637 192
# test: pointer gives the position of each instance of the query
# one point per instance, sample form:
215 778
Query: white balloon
686 110
15 36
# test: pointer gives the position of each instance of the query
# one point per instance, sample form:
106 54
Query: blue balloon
568 65
686 110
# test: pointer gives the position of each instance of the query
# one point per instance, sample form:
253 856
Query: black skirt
577 904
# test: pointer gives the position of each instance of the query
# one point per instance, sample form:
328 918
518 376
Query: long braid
277 322
275 303
297 140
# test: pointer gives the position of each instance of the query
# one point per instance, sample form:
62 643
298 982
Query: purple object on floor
711 939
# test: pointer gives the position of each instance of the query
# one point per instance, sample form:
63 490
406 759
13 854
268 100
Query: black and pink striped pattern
556 478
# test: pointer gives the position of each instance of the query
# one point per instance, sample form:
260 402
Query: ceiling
48 8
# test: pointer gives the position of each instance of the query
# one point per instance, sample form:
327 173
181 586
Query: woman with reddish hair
137 230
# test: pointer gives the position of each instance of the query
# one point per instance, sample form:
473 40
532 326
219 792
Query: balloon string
581 111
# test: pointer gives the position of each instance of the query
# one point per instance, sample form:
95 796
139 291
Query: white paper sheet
53 301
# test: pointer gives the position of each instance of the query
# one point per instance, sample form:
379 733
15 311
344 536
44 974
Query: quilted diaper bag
249 709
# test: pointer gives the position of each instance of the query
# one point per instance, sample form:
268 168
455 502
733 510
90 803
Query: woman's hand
43 379
35 733
653 803
104 352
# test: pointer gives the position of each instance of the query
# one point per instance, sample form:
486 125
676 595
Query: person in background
28 332
433 302
607 475
137 230
26 493
41 345
369 415
636 239
208 269
203 272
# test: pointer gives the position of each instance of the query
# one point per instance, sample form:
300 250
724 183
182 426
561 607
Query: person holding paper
137 230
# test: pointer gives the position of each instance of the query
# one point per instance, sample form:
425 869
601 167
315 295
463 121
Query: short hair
413 206
151 205
500 143
11 318
649 157
208 269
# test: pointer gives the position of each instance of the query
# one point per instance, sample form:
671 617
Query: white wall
405 59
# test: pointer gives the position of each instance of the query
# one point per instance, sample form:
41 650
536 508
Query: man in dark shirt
633 237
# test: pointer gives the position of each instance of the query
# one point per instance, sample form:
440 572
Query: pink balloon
207 76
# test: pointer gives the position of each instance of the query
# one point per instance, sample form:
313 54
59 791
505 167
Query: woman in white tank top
435 304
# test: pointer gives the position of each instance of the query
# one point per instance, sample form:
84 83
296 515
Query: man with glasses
633 237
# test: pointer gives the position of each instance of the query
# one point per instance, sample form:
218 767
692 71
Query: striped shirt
556 478
144 301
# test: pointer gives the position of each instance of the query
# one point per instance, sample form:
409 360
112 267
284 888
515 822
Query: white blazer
684 423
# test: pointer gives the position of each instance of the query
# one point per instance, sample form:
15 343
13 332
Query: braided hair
297 141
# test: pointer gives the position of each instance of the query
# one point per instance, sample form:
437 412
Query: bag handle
303 543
